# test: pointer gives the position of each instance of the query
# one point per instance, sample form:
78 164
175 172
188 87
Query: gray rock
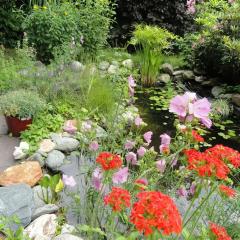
3 126
200 79
37 157
66 144
113 69
236 99
179 72
226 96
178 78
167 68
55 136
67 236
188 75
38 196
210 82
128 63
216 91
76 66
66 228
17 200
104 65
43 226
199 72
46 209
55 160
165 78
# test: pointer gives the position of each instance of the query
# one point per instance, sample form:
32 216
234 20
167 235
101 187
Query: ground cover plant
129 146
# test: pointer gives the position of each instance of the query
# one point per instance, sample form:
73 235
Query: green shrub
21 104
152 40
216 47
85 22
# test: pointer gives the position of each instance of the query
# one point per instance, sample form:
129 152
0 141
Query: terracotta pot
16 126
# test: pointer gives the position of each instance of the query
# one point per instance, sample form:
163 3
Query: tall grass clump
150 42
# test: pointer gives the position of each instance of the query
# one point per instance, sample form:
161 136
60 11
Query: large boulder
17 200
46 146
188 75
167 68
44 226
217 90
128 63
46 209
236 99
55 160
113 69
104 65
164 78
66 144
29 172
76 66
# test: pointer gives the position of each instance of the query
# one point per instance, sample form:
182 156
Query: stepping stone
7 145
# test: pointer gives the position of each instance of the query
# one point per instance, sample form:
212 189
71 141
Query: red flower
109 161
206 164
219 231
118 199
226 154
155 210
197 137
141 183
229 192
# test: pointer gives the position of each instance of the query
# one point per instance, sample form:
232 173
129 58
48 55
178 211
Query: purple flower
179 105
69 180
120 176
138 121
97 179
69 126
192 189
141 151
165 139
201 108
86 126
94 146
131 157
207 122
129 145
148 137
182 192
161 165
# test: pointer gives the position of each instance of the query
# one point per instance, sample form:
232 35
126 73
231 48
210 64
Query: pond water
161 121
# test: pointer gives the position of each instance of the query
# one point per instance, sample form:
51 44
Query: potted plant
19 107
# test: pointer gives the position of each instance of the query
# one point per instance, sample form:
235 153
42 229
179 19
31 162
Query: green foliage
152 40
54 184
216 48
11 19
6 222
21 104
221 109
41 127
84 22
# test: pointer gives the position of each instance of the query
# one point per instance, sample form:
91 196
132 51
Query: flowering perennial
197 137
219 231
155 210
118 199
229 192
109 161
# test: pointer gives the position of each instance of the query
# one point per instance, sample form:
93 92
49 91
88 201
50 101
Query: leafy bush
168 14
21 104
85 22
216 48
11 18
152 41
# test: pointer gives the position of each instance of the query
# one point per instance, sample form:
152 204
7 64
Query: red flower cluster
213 162
197 137
118 199
219 231
155 210
206 165
229 192
109 161
226 154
